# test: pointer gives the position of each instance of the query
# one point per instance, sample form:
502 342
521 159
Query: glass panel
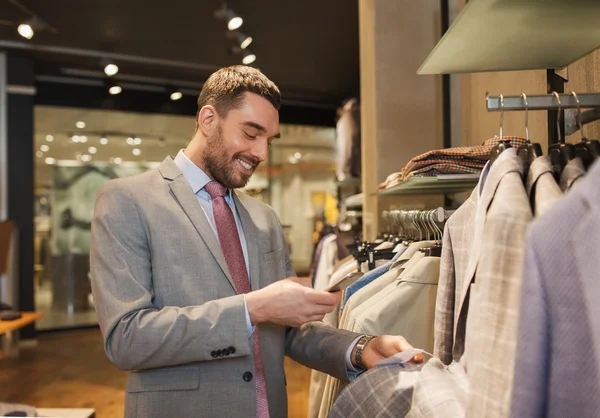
77 150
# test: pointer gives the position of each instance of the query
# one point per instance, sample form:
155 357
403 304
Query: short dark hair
225 88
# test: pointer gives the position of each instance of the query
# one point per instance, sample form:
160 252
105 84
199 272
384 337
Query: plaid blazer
571 174
491 331
413 390
557 372
542 188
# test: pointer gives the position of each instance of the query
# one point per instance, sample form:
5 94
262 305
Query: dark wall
21 175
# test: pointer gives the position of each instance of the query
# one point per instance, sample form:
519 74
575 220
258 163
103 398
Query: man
192 282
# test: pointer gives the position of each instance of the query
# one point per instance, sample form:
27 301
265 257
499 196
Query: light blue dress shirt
197 179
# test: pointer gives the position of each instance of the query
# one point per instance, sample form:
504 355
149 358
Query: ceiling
309 47
161 135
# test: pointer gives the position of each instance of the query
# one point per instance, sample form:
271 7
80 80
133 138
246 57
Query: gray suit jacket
557 372
168 309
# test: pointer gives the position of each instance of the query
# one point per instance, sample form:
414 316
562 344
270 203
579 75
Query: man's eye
270 142
248 135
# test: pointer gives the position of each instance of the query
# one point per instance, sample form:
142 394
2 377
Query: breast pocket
274 265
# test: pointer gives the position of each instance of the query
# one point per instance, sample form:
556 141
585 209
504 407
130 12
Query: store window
78 150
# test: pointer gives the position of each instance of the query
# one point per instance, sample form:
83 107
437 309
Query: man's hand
290 302
380 348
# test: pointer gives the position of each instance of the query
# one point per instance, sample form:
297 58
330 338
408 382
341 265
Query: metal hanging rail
543 102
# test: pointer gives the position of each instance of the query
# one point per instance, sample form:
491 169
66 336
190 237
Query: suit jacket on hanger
494 276
557 372
542 188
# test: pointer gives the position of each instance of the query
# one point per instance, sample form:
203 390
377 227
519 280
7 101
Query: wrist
255 305
358 350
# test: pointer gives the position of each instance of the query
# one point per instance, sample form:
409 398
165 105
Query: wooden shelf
432 185
26 319
505 35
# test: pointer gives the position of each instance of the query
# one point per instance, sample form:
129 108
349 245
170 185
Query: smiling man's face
241 141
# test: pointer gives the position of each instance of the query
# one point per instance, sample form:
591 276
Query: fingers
324 298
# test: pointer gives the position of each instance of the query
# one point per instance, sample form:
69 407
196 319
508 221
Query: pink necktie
234 256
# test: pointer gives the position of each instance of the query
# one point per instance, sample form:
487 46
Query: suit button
222 353
214 354
231 350
247 377
227 351
219 353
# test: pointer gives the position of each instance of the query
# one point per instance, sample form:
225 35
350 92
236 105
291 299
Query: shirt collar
194 175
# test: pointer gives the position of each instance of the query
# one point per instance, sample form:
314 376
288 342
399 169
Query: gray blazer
557 371
168 309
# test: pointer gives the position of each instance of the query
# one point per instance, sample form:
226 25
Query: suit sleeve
137 334
531 365
316 345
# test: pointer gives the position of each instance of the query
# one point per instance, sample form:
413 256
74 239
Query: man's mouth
249 167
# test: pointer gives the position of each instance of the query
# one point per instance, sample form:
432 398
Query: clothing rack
543 102
547 102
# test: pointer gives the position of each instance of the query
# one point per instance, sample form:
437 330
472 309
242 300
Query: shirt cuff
249 324
352 371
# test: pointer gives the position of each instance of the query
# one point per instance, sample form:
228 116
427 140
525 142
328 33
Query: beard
222 166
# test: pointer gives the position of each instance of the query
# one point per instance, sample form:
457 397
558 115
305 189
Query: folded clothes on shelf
458 160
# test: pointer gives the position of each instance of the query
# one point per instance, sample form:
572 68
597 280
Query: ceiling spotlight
118 160
233 20
25 30
297 155
103 140
36 24
242 39
49 138
111 69
249 57
39 154
75 139
83 139
136 151
130 141
137 141
80 124
50 161
86 158
176 95
92 150
44 148
114 90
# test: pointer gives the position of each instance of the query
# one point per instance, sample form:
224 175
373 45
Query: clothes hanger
434 250
503 144
529 151
560 153
588 150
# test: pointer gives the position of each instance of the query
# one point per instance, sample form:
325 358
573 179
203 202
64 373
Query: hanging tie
234 257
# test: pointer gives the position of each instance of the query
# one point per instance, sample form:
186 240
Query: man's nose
260 150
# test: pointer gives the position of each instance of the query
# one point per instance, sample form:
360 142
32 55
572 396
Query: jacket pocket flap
273 254
180 378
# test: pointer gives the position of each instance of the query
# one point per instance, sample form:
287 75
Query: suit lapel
503 166
251 234
189 203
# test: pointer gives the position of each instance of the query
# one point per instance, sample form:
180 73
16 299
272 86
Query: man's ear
208 120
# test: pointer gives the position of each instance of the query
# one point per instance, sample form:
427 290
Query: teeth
245 164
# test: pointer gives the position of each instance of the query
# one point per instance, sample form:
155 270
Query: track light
233 20
241 39
114 90
27 29
176 95
249 57
111 69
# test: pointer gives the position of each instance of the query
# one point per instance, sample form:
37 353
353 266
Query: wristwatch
360 346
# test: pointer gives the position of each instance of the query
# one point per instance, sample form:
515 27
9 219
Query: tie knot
215 189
